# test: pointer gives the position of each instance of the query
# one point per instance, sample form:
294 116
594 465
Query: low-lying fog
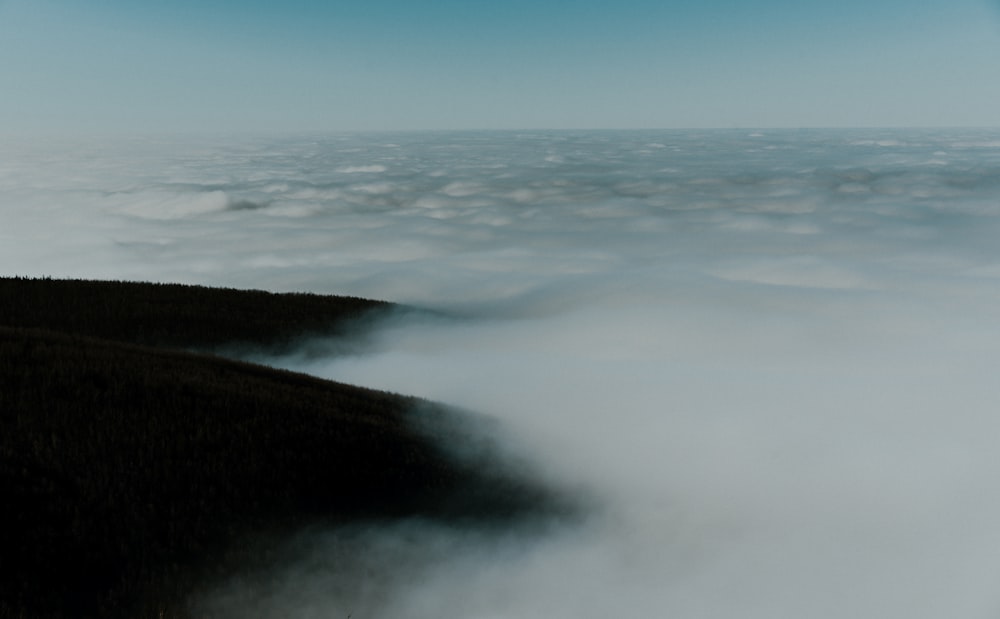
767 359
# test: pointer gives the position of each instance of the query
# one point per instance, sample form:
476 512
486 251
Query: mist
764 361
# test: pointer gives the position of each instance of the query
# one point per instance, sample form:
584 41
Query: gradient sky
88 66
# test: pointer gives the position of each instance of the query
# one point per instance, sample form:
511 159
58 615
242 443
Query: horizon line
234 133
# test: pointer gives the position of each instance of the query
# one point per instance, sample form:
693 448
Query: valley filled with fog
764 361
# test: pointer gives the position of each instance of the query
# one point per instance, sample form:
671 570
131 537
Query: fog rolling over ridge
767 358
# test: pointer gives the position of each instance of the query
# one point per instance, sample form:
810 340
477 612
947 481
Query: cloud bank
766 358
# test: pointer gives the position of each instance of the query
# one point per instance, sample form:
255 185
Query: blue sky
218 65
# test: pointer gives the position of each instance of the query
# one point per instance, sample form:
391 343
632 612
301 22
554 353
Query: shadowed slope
178 315
125 467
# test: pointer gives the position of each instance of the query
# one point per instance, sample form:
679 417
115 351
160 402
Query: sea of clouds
767 358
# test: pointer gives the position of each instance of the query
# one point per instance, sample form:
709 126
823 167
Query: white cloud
780 395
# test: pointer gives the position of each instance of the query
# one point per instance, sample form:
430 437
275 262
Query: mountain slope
130 472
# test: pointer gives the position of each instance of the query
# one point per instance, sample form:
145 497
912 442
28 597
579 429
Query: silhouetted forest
131 473
178 315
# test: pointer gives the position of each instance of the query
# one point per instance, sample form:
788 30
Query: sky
97 66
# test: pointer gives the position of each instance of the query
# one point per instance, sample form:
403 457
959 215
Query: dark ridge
130 474
178 315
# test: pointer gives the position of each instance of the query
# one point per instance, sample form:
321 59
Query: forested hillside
129 473
178 315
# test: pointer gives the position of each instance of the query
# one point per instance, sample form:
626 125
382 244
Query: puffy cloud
766 358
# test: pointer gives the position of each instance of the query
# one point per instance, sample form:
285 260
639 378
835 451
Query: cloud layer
765 357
